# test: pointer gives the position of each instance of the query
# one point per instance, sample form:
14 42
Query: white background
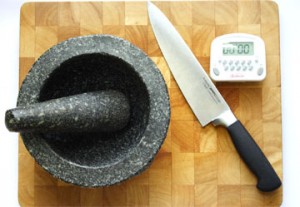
289 11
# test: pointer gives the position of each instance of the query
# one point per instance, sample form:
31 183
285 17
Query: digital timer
238 57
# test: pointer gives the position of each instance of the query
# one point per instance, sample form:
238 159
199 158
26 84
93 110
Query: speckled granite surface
104 111
94 63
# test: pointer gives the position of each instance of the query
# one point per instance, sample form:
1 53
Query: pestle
103 111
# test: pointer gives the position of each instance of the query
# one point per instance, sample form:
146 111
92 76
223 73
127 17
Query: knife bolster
226 119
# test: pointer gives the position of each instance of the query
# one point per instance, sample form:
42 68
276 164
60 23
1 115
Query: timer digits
238 48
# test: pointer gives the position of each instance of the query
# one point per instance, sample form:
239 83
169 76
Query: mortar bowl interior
94 72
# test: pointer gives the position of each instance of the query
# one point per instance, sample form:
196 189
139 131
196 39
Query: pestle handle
103 111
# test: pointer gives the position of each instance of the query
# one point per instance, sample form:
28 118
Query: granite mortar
94 63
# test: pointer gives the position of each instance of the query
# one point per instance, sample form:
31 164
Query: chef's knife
205 100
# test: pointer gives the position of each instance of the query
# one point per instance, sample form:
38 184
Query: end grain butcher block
196 166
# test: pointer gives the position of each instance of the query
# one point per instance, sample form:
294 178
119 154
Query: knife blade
205 100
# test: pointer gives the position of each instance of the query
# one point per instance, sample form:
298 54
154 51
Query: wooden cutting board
196 166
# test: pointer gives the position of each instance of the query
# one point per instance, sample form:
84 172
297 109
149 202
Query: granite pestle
100 111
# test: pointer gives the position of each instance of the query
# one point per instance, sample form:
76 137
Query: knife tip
149 3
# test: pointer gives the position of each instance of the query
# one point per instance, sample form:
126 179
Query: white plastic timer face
238 57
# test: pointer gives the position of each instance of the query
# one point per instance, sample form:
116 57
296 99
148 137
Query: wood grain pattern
196 166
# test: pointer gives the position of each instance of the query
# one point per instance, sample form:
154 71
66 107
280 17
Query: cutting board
196 166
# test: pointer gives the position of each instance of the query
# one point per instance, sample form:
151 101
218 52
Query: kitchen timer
238 57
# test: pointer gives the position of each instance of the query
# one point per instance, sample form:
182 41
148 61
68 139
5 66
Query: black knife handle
255 159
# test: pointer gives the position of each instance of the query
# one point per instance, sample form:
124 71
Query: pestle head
102 111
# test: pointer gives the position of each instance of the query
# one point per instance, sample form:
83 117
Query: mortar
87 65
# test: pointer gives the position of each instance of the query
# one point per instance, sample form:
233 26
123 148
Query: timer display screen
238 48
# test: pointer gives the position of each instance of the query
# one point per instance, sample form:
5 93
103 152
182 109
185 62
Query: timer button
216 71
260 71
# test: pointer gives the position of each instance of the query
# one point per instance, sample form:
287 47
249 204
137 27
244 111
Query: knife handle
255 159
